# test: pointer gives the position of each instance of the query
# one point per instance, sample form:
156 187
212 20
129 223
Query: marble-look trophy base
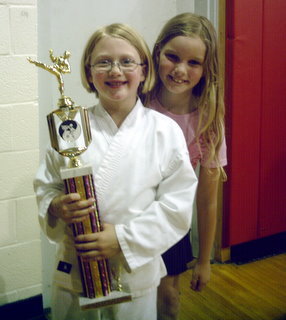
114 297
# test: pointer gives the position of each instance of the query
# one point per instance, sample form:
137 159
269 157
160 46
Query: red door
255 120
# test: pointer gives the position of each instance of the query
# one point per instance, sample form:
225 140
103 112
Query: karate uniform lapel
120 140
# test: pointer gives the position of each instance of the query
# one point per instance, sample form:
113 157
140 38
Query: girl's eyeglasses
124 65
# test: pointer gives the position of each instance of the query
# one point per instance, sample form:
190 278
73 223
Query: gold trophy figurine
61 65
70 136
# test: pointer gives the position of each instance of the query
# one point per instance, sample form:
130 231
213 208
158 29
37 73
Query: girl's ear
89 80
88 75
157 54
143 73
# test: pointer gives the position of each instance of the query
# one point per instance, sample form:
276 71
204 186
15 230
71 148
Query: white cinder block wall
20 255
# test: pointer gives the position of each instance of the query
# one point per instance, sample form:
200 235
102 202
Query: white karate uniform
145 186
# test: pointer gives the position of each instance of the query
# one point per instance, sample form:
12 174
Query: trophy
70 136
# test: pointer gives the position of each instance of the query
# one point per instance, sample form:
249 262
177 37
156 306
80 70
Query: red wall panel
243 56
255 120
272 195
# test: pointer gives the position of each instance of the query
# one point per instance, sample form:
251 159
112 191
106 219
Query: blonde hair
209 91
124 32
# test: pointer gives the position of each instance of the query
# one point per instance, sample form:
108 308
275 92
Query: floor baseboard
28 309
259 249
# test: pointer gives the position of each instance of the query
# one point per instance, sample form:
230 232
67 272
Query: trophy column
70 136
95 274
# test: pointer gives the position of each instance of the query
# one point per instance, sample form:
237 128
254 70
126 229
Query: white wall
66 25
20 250
207 8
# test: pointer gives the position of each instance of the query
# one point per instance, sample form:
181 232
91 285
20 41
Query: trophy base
114 297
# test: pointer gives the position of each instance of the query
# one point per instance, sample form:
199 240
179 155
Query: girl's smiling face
181 64
115 85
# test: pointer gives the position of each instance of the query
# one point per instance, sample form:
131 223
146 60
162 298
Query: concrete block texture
28 292
4 30
7 297
20 2
6 128
21 294
17 171
20 266
20 245
19 129
23 28
25 130
18 81
7 223
27 225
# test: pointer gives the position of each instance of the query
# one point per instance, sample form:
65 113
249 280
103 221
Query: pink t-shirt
188 123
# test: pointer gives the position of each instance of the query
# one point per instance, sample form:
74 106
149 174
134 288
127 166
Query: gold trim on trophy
69 125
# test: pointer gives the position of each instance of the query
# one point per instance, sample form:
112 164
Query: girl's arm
207 216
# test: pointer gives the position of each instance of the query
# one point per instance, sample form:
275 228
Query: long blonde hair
125 32
209 91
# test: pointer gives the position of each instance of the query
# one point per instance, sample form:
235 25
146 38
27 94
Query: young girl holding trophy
144 183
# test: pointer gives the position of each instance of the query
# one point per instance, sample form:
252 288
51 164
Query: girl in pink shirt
189 89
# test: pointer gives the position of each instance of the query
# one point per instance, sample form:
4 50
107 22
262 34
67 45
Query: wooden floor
252 291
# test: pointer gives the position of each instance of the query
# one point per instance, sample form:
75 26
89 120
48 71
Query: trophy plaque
70 136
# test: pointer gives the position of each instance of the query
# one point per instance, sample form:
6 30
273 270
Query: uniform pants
65 306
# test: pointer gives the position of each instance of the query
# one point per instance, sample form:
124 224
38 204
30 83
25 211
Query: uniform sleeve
167 219
47 185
